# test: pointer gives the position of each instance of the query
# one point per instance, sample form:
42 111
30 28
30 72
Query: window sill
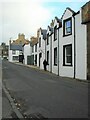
68 65
55 39
67 35
55 64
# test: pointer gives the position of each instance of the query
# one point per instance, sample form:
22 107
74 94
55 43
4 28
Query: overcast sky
26 16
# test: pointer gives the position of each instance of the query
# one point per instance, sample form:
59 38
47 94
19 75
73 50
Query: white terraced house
33 43
73 45
41 52
14 52
27 52
66 44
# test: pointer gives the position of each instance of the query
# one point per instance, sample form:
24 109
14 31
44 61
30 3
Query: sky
27 16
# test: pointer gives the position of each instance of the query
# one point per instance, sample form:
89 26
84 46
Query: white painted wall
54 45
67 71
27 52
81 48
41 50
54 68
48 49
38 55
11 55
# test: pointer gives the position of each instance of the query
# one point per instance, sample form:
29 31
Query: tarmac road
43 94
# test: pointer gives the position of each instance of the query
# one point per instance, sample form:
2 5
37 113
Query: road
40 93
0 88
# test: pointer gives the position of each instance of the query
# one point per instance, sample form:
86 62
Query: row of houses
64 44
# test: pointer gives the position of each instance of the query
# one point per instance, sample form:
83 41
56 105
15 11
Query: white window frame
13 52
20 52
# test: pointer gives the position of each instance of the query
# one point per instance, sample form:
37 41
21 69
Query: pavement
6 107
35 67
9 109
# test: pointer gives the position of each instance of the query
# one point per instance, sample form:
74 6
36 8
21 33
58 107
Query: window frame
40 42
48 57
15 58
55 33
20 52
48 39
35 47
55 56
65 63
35 59
65 33
13 52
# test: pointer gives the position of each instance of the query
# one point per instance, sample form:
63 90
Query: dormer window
55 33
67 29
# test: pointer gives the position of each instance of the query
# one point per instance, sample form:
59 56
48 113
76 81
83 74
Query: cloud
26 16
22 17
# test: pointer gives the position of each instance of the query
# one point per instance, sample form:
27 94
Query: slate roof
58 20
44 32
15 47
50 29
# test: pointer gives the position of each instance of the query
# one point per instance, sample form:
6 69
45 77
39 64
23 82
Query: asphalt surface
0 88
45 95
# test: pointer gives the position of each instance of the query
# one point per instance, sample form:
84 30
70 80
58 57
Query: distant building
16 48
4 50
1 51
14 52
21 40
27 52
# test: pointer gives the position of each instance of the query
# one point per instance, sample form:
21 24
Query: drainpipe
51 52
45 49
74 49
58 51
